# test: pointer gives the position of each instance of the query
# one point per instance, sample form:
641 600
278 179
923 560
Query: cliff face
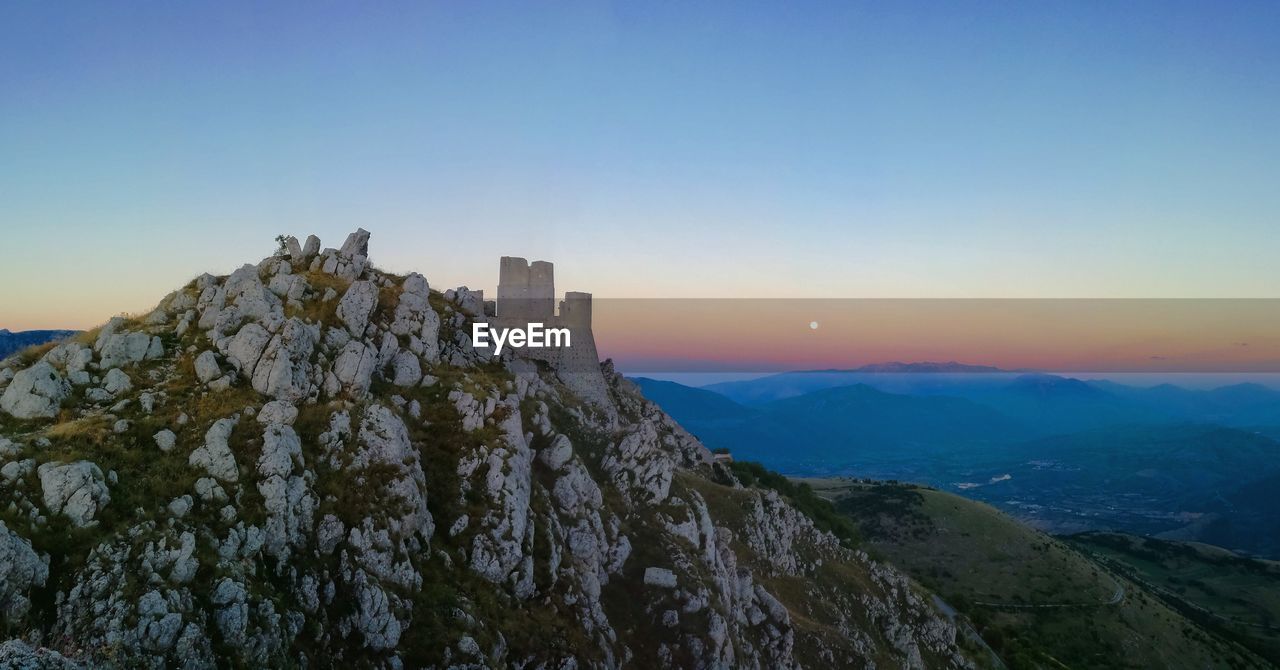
305 463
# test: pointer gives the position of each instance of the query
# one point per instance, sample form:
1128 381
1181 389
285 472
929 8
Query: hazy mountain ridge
1066 454
12 342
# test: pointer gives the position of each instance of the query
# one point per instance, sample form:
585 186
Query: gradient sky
985 149
1137 335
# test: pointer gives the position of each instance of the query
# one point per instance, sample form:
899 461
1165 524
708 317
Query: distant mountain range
924 367
895 377
11 342
1064 453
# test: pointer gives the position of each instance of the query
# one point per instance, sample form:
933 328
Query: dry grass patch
93 430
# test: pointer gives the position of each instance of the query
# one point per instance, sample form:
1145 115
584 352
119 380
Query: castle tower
542 290
525 292
575 309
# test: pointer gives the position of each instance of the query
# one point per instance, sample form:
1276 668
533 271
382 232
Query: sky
1131 336
649 149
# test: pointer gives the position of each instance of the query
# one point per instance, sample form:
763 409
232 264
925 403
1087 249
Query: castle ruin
527 294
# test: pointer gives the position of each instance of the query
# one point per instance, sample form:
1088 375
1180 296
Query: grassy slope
1238 597
992 569
810 599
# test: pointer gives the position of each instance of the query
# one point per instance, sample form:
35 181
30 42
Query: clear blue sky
650 149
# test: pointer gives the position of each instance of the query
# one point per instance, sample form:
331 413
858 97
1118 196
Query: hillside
691 404
1033 598
1235 596
306 464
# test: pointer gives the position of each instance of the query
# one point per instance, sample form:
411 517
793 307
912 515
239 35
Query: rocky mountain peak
306 462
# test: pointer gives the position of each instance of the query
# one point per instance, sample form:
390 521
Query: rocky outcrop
36 392
117 349
286 494
357 305
215 456
416 320
75 490
284 369
21 570
18 655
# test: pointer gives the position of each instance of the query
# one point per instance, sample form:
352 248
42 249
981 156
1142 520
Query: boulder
244 350
165 439
311 247
415 318
278 412
357 305
354 367
469 302
116 381
124 348
36 392
284 369
406 371
215 456
660 577
556 455
76 490
207 368
293 248
357 244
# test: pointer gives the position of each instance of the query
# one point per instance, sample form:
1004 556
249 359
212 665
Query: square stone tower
526 292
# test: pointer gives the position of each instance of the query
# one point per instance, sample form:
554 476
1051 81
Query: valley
1062 455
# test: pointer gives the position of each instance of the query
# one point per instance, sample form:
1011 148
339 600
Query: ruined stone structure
526 291
526 294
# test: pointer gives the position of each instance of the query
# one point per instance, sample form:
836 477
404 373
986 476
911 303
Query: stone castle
527 294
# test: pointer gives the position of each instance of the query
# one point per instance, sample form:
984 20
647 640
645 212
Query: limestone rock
286 496
354 367
415 318
278 412
116 381
356 305
284 369
207 369
36 392
245 348
19 655
469 302
556 455
311 247
165 439
293 248
76 490
357 244
406 371
215 456
124 348
21 570
660 577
